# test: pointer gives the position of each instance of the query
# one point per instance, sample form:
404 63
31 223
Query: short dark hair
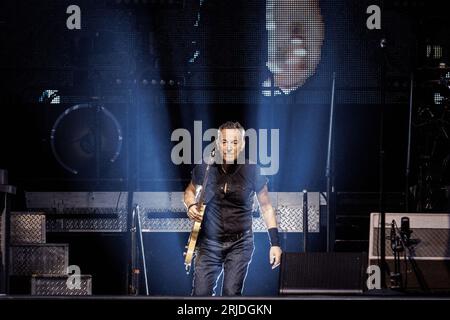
232 125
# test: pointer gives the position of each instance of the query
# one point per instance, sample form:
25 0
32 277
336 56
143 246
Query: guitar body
192 242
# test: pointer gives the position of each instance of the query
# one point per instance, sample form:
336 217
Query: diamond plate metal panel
160 201
27 227
89 224
292 219
55 285
167 225
26 260
90 206
288 206
63 201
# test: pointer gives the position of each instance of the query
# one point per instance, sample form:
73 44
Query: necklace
223 168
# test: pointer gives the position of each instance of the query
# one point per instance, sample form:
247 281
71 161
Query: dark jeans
232 257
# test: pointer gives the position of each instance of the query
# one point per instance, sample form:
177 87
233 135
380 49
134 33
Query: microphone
396 244
405 230
393 231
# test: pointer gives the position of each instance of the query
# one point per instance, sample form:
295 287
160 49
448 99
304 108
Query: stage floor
356 297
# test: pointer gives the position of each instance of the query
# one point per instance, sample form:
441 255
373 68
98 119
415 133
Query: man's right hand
194 214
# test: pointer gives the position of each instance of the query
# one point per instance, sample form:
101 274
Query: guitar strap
202 195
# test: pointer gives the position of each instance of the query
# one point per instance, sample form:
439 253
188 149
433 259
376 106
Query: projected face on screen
295 35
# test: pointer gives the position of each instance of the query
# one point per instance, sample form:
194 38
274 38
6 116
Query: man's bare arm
266 208
271 222
189 195
189 201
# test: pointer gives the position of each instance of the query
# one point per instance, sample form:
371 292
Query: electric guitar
192 242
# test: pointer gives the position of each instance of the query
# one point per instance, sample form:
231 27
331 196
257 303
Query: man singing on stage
226 238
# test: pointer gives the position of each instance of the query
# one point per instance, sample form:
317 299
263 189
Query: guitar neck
201 198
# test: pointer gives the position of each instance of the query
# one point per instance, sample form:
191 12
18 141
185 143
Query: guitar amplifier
429 268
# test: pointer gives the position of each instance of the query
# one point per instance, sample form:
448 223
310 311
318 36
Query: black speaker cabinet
322 273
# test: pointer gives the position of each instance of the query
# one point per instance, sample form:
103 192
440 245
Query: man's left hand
275 256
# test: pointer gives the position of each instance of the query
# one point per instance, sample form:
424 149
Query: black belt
232 236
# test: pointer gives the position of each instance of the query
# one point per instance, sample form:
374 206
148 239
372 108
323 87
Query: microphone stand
134 275
403 243
397 246
329 171
137 247
305 221
383 266
141 247
408 155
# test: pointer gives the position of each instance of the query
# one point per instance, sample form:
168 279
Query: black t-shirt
228 197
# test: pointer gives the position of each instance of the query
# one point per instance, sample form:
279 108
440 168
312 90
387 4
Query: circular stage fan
86 137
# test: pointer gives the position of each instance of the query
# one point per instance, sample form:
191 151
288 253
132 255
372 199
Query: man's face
230 143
